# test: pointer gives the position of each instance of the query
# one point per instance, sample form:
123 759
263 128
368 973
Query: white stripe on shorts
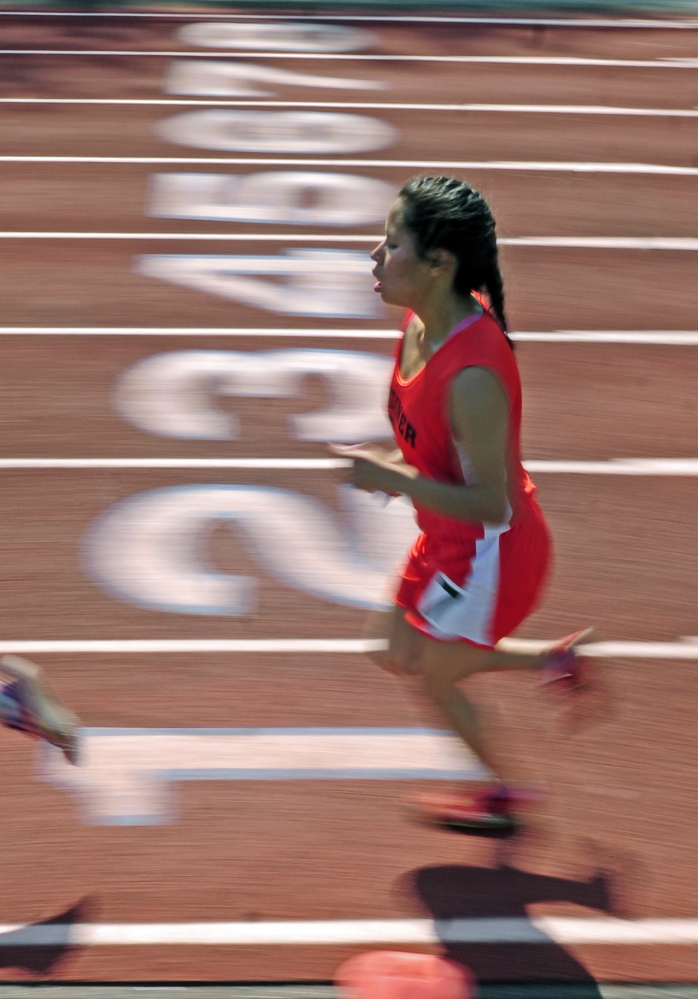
466 611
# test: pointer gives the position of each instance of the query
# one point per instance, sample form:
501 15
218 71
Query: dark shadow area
24 949
503 893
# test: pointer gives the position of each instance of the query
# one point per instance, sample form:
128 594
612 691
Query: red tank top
418 408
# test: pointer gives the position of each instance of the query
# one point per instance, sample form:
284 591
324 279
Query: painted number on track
280 36
327 283
175 394
155 549
279 197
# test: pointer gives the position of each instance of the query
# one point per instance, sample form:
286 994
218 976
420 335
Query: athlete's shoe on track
490 811
29 707
563 667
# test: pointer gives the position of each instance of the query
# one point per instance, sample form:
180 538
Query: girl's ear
441 259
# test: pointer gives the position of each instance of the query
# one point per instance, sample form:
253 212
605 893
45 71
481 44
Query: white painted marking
350 646
614 466
126 775
558 22
285 36
617 466
670 63
286 332
562 930
569 22
233 78
216 237
671 243
671 337
577 109
315 464
535 166
305 281
682 649
566 930
280 197
290 132
661 337
177 393
679 650
606 242
151 549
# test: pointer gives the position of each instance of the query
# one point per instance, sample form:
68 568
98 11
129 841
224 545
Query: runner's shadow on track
23 948
503 893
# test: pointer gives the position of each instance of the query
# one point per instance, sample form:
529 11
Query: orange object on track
385 974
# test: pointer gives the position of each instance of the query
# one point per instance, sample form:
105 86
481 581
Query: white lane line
188 463
577 109
660 337
671 243
177 236
663 63
685 649
211 331
606 242
614 466
536 166
570 22
350 646
617 466
563 930
669 337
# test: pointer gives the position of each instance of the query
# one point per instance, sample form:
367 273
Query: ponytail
495 293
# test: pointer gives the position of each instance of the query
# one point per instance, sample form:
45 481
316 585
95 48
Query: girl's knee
392 662
441 674
382 659
401 650
448 664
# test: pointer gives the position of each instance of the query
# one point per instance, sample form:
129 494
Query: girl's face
402 278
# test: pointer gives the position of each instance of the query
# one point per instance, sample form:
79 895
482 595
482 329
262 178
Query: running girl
478 567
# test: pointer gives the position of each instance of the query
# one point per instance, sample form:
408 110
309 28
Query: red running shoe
563 666
488 811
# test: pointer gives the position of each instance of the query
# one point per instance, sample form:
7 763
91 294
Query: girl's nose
378 251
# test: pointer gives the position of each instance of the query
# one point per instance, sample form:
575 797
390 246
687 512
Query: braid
448 213
495 293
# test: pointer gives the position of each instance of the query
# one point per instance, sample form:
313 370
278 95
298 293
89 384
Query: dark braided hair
442 212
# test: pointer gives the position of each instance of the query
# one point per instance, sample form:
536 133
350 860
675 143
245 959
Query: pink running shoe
25 705
563 666
486 811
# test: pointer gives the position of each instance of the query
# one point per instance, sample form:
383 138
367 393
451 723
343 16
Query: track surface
617 833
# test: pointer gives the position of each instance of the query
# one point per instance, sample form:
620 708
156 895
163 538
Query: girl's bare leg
416 659
434 669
